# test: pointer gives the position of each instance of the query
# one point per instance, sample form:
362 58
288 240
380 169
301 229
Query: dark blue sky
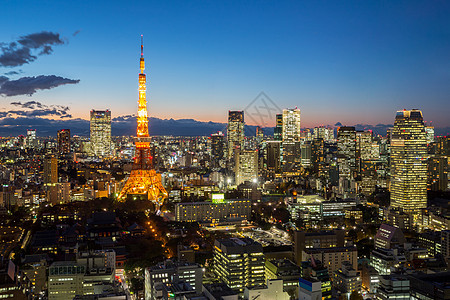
338 61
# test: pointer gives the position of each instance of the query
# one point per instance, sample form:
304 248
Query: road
119 273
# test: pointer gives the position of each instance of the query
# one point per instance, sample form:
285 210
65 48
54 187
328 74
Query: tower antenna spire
142 46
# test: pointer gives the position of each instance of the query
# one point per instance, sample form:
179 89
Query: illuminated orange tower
143 179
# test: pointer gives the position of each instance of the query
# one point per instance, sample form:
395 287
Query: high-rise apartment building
246 167
63 141
235 132
409 162
101 132
239 262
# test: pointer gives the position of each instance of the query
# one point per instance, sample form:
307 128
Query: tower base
143 182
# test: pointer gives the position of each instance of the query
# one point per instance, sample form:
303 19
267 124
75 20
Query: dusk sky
354 62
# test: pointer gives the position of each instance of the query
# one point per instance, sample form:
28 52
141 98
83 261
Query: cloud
41 113
29 104
3 79
124 118
12 56
13 73
33 109
30 85
28 47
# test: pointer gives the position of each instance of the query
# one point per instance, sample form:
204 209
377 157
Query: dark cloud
29 104
3 79
13 73
41 113
40 39
34 109
12 56
28 47
30 85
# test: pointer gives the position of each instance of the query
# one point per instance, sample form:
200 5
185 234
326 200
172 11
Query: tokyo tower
143 178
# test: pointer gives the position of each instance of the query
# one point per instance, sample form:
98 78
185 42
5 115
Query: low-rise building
385 260
213 212
272 290
389 237
239 262
285 270
347 279
172 271
332 258
393 286
430 286
309 289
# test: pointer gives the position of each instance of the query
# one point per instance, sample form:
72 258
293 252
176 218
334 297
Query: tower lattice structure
143 177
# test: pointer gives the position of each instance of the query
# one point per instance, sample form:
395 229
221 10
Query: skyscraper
51 179
101 132
291 141
409 162
325 133
272 163
63 141
346 143
291 125
278 130
246 168
50 170
235 132
430 134
346 157
217 143
31 138
363 148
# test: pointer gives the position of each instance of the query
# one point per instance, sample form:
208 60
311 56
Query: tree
355 295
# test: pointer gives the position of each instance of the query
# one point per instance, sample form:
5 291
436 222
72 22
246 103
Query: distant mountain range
119 126
126 125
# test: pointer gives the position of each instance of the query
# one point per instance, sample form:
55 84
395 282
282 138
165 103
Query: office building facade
409 162
100 133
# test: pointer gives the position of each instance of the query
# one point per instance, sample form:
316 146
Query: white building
273 290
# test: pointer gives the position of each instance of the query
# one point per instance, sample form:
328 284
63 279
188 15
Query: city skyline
333 65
